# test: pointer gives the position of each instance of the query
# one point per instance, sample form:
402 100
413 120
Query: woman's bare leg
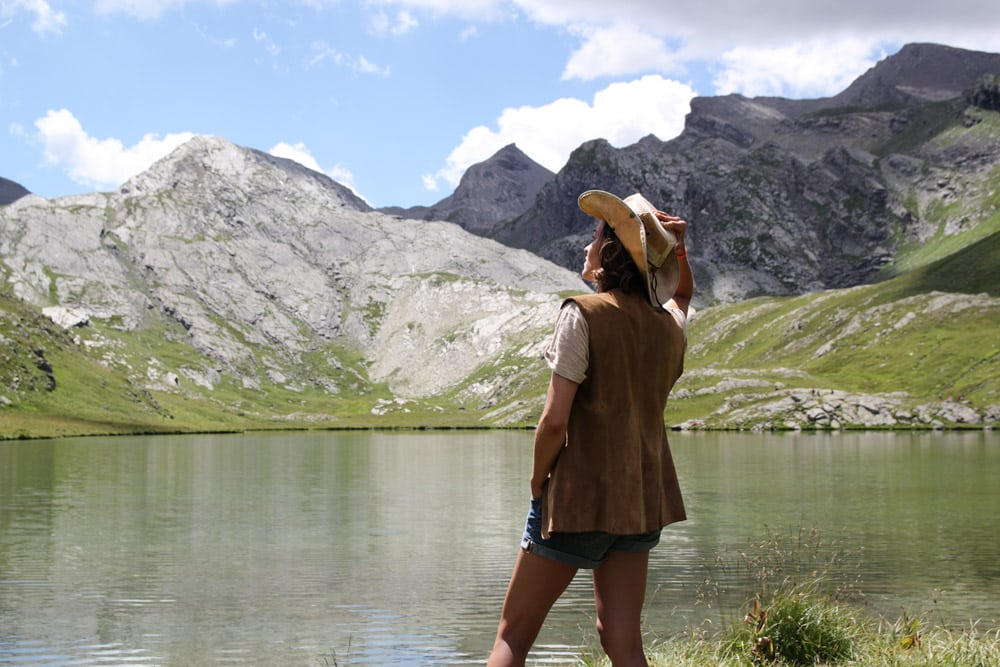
619 592
535 585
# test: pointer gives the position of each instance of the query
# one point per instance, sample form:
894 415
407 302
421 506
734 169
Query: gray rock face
918 73
66 317
271 273
490 193
257 261
790 196
791 398
11 191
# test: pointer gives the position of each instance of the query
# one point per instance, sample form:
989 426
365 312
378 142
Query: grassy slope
924 332
95 391
912 332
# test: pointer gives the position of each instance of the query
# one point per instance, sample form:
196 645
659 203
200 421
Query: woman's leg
535 585
619 592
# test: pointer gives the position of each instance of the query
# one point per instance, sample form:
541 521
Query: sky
396 98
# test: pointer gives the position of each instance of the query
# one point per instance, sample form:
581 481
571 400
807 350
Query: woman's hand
685 282
674 224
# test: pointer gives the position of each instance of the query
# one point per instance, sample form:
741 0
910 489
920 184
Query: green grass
951 247
875 644
929 121
931 333
802 607
100 388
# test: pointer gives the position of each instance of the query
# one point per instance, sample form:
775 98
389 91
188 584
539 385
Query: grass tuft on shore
802 605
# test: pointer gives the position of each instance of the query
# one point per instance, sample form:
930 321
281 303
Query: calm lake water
395 548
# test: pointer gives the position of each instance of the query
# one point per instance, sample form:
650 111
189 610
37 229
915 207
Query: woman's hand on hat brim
674 224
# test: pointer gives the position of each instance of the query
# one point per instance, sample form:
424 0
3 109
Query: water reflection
395 548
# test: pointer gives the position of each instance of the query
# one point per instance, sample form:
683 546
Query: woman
603 483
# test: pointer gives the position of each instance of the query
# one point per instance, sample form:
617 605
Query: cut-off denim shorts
582 550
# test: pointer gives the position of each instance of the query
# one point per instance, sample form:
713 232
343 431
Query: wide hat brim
650 245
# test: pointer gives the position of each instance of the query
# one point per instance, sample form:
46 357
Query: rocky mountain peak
206 163
918 73
11 191
256 264
489 192
790 196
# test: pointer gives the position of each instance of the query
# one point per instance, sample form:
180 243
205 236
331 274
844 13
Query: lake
394 548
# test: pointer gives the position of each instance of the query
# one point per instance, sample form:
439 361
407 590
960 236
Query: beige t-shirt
568 354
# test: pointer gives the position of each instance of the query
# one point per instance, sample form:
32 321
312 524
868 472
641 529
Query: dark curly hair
618 270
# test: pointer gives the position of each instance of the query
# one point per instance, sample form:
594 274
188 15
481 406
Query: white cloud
261 37
365 66
322 53
141 9
47 19
780 47
99 163
381 24
622 113
804 69
481 10
297 152
620 49
300 153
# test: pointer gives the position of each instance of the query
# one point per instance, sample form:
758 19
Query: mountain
489 193
785 197
226 269
11 191
918 73
226 289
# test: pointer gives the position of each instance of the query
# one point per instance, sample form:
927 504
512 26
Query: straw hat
647 241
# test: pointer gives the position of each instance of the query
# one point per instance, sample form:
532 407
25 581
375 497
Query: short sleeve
568 355
681 319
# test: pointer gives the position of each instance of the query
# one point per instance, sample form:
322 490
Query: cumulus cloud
821 68
297 152
781 47
99 163
46 19
620 49
622 113
300 153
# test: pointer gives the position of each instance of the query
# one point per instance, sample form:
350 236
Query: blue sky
396 98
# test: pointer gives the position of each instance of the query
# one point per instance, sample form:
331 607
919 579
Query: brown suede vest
615 473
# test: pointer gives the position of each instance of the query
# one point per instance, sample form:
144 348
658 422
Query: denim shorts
581 550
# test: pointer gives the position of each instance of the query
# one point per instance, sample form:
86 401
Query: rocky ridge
778 386
489 194
272 275
258 263
11 191
790 196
